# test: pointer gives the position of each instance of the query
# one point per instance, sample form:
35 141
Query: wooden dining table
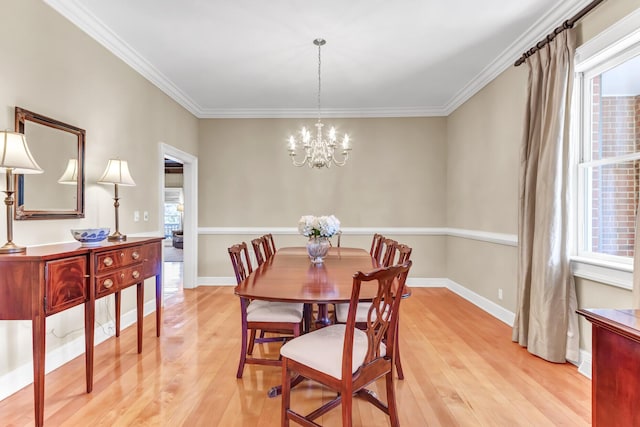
289 276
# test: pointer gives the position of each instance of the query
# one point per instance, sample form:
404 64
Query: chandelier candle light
318 151
318 229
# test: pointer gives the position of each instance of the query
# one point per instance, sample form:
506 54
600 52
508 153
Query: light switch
146 215
136 216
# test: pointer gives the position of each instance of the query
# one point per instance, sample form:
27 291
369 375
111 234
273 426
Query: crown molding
536 32
305 113
80 16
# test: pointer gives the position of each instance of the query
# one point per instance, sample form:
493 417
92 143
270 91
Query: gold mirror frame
22 212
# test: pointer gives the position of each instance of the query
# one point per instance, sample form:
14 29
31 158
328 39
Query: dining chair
387 252
375 245
345 358
342 310
271 246
258 250
266 316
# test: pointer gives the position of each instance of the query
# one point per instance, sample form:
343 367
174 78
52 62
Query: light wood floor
460 365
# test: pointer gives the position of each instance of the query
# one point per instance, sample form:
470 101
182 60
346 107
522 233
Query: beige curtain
546 321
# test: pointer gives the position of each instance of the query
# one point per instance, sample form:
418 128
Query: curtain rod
569 23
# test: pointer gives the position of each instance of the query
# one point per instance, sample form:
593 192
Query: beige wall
459 171
483 143
395 178
53 68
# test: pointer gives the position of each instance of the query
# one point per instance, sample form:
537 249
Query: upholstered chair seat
266 311
322 350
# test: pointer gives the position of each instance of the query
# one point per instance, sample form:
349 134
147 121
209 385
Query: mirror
59 191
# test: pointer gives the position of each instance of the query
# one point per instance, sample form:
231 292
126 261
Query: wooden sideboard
615 380
51 278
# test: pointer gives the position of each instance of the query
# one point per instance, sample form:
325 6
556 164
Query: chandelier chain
319 78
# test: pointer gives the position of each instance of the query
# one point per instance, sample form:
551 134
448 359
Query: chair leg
243 353
396 356
252 341
391 399
286 393
347 409
243 338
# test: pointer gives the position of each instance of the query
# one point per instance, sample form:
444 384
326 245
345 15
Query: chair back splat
240 260
270 244
375 246
258 250
348 359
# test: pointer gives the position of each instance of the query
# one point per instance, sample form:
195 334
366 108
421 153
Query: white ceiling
255 58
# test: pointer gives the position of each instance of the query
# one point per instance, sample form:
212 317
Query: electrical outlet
500 293
146 215
136 216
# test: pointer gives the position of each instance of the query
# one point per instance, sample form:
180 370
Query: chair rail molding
484 236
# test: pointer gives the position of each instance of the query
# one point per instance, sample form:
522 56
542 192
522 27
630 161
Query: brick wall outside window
615 131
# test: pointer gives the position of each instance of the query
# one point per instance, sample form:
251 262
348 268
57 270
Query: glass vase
317 247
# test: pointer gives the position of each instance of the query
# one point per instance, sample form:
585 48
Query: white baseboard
22 376
216 281
585 364
490 307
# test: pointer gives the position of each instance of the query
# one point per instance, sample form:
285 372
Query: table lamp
15 158
117 173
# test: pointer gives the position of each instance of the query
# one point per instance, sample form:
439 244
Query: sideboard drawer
117 280
65 285
119 258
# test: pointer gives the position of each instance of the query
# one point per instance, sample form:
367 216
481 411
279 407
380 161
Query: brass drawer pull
108 261
135 274
107 283
135 255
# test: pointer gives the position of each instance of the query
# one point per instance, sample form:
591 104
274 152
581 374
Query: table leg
140 289
38 337
323 315
118 306
158 303
277 390
89 317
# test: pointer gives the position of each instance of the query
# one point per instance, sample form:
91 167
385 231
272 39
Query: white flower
318 226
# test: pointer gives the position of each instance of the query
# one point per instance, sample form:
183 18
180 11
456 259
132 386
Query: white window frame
613 46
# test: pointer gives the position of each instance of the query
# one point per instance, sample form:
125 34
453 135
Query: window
608 169
606 148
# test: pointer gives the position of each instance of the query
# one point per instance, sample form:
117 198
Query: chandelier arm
296 163
344 159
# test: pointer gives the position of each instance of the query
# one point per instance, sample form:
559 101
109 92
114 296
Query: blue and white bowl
90 236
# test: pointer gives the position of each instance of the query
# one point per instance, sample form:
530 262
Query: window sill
610 273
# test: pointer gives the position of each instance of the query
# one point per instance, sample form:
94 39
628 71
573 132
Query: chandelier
317 150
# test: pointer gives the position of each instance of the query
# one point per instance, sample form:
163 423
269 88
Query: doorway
179 216
173 246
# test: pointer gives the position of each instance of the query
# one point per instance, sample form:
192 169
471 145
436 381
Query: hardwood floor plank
461 369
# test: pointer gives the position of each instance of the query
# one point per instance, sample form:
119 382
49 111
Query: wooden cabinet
615 366
49 279
65 283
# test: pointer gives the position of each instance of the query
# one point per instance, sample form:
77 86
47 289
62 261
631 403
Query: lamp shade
117 172
15 154
70 175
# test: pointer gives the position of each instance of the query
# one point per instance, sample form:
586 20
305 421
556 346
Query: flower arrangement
318 226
